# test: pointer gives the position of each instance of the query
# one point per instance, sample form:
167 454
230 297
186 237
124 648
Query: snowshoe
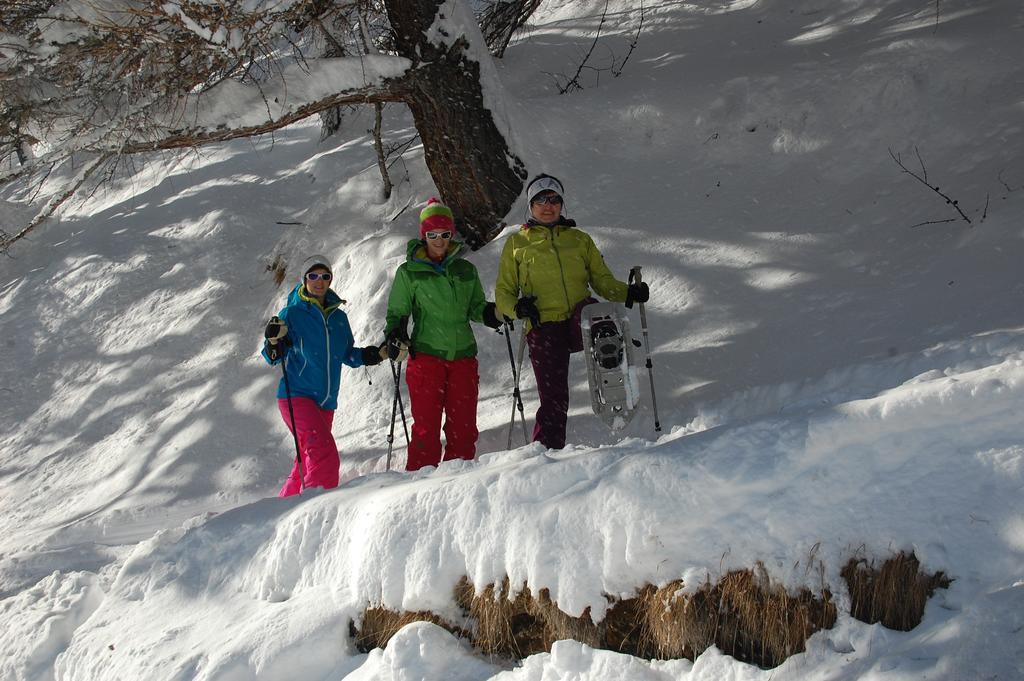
611 369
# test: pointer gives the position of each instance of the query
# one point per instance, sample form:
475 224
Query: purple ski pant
551 343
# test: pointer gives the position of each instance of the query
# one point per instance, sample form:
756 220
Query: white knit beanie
315 260
544 183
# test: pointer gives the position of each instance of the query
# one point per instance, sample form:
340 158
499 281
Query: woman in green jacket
441 292
545 275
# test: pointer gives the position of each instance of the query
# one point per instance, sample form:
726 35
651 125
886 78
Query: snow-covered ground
832 379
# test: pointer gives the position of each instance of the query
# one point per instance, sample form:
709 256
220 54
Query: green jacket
558 265
441 299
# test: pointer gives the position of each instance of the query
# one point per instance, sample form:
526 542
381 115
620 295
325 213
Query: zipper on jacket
452 342
561 270
327 332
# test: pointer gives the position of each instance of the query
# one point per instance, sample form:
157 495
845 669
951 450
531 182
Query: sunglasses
554 200
439 235
313 276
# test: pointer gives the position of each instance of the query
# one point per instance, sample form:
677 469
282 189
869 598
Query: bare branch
933 222
395 91
127 77
1005 184
55 202
924 171
632 45
397 150
616 69
501 19
923 180
574 82
390 91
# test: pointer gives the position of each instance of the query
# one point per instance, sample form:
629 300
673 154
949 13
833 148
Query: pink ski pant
316 443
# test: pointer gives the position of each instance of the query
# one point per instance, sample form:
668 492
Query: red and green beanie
436 217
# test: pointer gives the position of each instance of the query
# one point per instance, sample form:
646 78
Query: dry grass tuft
763 623
624 625
743 614
558 626
505 624
380 624
894 594
678 625
278 268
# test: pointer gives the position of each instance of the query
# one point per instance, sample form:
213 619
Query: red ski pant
439 386
320 459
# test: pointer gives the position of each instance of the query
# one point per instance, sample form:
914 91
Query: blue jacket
321 341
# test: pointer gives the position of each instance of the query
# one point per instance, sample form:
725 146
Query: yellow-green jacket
557 264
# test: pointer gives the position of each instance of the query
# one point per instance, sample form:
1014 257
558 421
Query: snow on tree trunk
476 172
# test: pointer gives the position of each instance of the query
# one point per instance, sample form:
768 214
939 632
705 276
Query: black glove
397 342
398 333
276 330
637 293
491 316
276 335
396 350
371 355
526 308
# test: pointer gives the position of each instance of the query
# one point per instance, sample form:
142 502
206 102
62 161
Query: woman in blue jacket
311 335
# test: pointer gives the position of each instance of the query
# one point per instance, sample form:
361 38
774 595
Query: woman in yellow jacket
545 277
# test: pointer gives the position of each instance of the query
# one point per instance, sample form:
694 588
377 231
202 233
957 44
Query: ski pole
634 276
291 415
517 396
404 322
519 376
515 380
394 410
396 373
401 406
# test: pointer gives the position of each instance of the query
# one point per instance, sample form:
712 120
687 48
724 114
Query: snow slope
830 376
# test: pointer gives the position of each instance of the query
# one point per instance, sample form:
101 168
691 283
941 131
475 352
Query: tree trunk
476 173
378 146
